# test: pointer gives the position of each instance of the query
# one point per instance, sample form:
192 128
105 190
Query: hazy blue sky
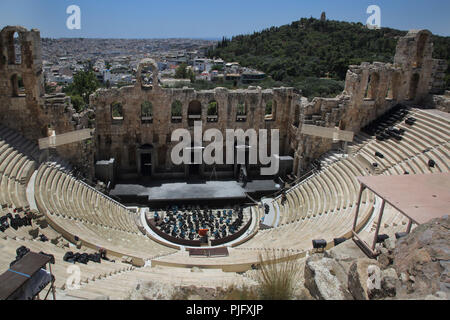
211 18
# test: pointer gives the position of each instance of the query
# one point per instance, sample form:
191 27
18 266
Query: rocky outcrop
441 102
325 279
363 277
413 267
423 258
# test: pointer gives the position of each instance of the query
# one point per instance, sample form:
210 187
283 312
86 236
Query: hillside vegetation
314 55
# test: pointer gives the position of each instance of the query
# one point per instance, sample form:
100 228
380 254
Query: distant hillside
301 53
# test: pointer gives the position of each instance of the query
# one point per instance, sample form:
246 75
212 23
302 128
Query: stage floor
199 190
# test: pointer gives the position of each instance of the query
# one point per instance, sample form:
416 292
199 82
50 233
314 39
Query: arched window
423 38
147 112
14 86
393 87
241 112
270 110
147 75
117 111
372 86
194 112
212 113
15 49
17 86
177 109
296 116
413 85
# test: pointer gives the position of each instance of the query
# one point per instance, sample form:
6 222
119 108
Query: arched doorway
213 111
270 111
145 159
14 48
147 74
194 112
147 112
296 116
413 85
195 169
394 85
423 38
372 86
242 167
14 85
241 112
177 111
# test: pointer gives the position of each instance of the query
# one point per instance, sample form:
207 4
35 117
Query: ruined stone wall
21 109
122 139
27 108
441 102
62 117
371 90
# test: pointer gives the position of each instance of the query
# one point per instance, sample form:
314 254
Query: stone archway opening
145 160
270 111
17 86
413 86
176 111
117 111
194 112
147 74
213 111
372 86
394 86
241 112
17 48
147 112
423 38
296 121
14 48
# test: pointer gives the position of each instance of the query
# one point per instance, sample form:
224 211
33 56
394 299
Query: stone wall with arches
179 108
26 108
371 89
133 117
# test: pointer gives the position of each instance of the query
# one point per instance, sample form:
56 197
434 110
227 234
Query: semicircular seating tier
323 205
320 207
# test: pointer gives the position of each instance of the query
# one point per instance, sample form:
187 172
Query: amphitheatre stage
185 191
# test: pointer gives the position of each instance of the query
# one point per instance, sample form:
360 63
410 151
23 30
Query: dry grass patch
277 276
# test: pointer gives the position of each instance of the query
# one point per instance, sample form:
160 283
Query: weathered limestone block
326 279
389 283
358 277
423 256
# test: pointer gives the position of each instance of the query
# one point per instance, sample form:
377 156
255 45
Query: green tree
217 67
212 108
84 84
310 49
77 102
176 108
181 71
